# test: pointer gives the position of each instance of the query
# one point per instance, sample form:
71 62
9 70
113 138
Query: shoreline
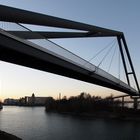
101 115
7 136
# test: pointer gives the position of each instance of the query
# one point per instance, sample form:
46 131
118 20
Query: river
33 123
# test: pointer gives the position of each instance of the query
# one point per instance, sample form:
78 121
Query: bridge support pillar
135 105
122 102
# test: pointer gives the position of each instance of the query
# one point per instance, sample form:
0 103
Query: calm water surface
36 124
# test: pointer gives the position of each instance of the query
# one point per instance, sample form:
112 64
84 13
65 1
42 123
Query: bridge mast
123 47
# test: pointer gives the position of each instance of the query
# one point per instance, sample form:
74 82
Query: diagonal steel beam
123 58
55 35
130 62
10 14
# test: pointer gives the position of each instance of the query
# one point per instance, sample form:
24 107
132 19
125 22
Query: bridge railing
64 53
51 46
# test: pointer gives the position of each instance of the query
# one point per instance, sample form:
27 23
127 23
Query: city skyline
18 81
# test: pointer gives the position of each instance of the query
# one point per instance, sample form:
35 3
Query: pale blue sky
123 15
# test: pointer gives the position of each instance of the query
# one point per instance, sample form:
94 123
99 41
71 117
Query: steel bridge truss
18 16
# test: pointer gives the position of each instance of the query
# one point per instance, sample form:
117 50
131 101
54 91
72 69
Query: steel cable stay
107 53
112 57
119 64
120 68
99 52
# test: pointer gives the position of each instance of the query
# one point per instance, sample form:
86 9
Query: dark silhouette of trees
83 103
1 105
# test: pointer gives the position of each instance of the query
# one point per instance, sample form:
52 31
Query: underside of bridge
16 48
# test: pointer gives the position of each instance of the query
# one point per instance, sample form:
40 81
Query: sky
18 81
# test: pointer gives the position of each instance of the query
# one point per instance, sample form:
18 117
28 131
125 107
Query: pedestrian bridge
17 46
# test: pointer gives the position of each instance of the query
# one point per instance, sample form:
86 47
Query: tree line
83 103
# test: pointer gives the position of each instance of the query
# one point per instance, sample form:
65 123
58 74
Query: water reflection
35 123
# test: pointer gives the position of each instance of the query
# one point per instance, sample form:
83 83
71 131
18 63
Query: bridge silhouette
16 47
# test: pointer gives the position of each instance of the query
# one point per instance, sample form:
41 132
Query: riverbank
91 106
1 107
119 115
7 136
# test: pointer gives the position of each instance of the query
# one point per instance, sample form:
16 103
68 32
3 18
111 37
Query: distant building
10 101
28 101
33 100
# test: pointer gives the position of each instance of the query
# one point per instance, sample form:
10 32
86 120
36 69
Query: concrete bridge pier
135 104
122 102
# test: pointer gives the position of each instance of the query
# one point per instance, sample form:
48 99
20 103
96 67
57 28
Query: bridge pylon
124 50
